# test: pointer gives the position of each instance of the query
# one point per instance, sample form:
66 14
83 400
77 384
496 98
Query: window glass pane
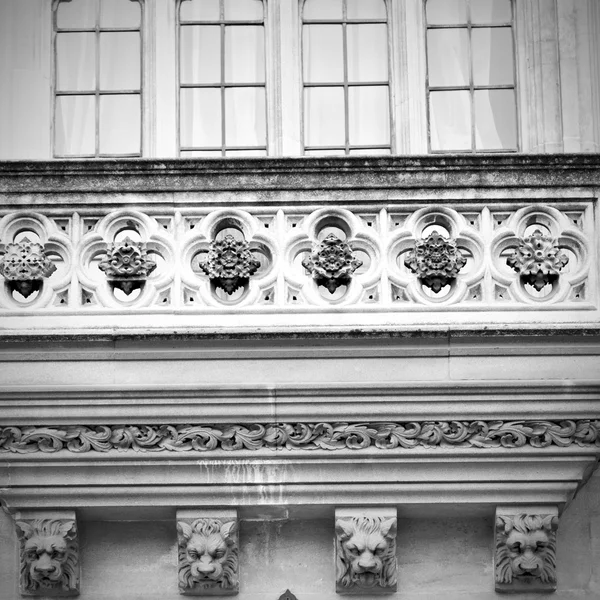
201 153
367 52
74 125
366 9
200 116
120 13
450 120
340 152
492 50
322 9
244 54
77 14
241 153
119 126
369 115
324 117
323 53
448 57
245 117
495 120
243 10
446 12
75 61
491 11
120 61
199 10
370 151
200 55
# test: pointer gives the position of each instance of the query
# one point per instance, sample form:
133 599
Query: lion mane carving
208 557
526 549
366 554
49 557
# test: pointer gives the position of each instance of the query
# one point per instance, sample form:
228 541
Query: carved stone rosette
525 556
126 265
331 263
436 260
208 552
538 260
366 551
230 264
25 265
49 554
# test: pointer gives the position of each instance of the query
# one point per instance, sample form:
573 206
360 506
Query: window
471 76
97 78
345 71
222 96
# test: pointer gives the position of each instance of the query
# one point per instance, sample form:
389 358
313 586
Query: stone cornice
301 436
284 174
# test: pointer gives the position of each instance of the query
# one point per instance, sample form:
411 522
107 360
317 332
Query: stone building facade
299 375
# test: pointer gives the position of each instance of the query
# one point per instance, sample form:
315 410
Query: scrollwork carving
538 260
525 557
126 265
436 260
366 552
300 436
208 556
230 263
25 266
49 557
331 263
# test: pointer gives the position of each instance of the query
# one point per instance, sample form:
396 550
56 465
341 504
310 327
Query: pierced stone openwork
25 265
538 260
436 260
126 265
332 263
229 264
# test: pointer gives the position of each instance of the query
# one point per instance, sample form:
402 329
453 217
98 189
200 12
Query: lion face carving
366 554
526 551
208 557
49 557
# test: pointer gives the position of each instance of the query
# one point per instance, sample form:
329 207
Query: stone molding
365 548
525 549
79 439
208 552
49 553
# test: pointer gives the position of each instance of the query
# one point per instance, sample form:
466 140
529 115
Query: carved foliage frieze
525 559
25 266
331 263
208 554
127 265
300 436
435 260
49 556
230 263
366 551
537 259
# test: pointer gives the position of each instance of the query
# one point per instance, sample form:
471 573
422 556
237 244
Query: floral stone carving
80 439
25 265
208 554
436 260
126 265
525 559
365 551
538 260
49 557
230 263
331 263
